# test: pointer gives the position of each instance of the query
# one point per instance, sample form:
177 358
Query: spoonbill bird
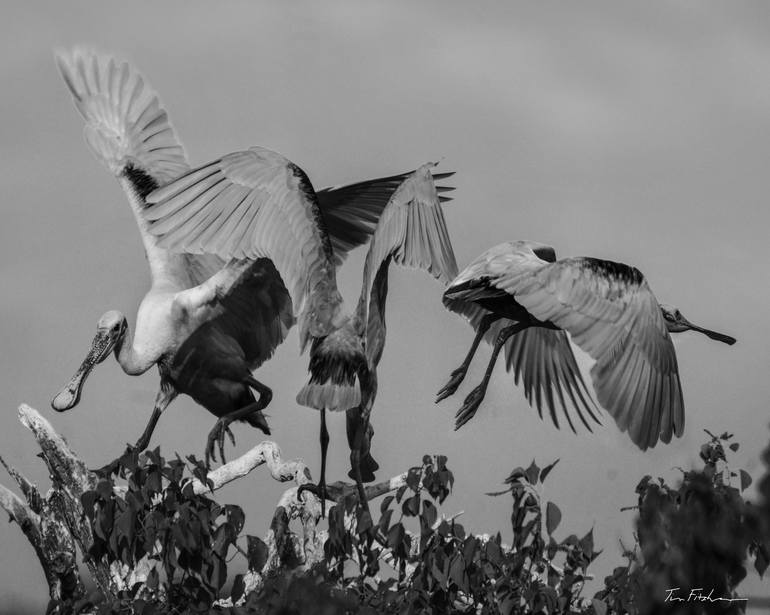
519 296
343 367
343 360
206 322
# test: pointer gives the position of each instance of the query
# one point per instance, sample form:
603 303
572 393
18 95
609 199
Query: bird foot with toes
470 406
450 387
216 439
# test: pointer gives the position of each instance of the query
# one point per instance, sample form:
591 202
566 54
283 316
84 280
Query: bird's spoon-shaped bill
720 337
69 396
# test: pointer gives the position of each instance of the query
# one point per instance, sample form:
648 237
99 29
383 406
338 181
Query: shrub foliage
410 559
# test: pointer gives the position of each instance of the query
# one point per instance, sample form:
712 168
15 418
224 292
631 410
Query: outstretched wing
411 232
126 123
351 212
128 130
253 204
611 313
541 358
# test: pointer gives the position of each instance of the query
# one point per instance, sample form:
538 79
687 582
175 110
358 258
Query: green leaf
88 499
429 513
745 480
532 472
457 572
104 488
238 588
385 503
547 470
396 540
413 478
384 522
411 506
235 516
599 606
550 597
552 517
364 521
257 552
587 543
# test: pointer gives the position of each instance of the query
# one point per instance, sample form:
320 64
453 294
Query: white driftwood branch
63 516
64 465
266 452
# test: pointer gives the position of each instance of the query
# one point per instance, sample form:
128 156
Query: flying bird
343 366
210 319
519 296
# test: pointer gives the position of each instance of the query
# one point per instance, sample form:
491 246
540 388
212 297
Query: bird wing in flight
541 357
248 205
611 313
128 130
244 308
351 212
411 232
126 123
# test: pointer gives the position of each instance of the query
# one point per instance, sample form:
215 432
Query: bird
518 295
209 320
411 232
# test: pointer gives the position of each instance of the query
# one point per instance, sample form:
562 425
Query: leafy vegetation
412 559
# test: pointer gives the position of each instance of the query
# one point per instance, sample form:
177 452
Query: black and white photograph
217 213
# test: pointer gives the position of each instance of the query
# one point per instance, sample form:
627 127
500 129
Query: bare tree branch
71 479
266 452
34 499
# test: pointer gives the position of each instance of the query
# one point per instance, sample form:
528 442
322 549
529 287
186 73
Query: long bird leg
324 448
458 375
222 426
319 489
358 438
165 396
476 396
162 400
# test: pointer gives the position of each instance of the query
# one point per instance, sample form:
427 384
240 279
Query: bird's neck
130 360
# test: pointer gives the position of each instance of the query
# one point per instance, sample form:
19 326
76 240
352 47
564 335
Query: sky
636 132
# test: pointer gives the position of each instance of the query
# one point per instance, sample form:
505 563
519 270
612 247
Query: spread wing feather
253 204
129 131
126 123
411 232
542 360
611 313
351 212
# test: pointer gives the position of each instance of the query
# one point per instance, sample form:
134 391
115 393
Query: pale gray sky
635 132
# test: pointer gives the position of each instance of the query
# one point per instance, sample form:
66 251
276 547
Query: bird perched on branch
519 296
343 366
228 282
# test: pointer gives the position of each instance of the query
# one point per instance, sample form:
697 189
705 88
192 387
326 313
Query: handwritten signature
697 595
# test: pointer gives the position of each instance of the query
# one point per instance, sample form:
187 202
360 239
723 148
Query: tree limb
71 479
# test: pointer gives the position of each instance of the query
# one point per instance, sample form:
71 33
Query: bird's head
676 323
110 330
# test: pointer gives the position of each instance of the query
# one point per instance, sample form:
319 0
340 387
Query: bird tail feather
330 395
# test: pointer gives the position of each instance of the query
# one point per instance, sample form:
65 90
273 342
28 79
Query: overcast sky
634 132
